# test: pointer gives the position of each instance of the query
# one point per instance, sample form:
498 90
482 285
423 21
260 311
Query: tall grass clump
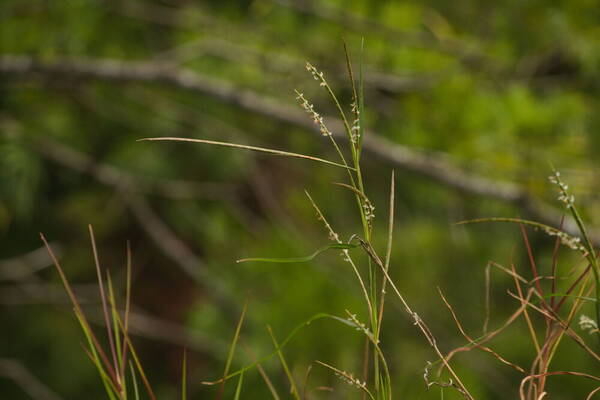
123 377
373 278
557 306
118 364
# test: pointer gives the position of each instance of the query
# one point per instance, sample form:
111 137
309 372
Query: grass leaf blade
300 259
247 147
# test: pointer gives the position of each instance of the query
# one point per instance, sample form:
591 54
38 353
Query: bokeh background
470 102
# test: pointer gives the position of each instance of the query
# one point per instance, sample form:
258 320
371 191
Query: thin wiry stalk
533 266
473 342
333 235
137 361
305 386
553 347
127 309
95 345
263 374
284 343
589 246
115 327
526 312
184 376
107 382
573 373
238 389
388 252
490 335
555 266
232 350
419 322
136 391
107 320
567 329
294 389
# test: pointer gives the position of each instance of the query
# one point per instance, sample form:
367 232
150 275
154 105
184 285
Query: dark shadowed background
470 102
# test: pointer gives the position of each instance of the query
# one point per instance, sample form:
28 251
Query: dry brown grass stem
418 322
477 344
567 329
490 335
553 373
592 393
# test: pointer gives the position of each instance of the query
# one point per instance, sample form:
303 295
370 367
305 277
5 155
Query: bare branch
429 165
16 371
286 64
142 324
113 176
175 249
127 186
27 264
361 24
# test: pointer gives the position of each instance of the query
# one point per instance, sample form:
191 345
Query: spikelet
310 109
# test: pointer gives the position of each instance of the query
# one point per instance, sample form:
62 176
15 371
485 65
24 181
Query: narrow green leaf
571 296
352 189
238 389
136 360
288 373
232 347
246 147
115 327
136 391
388 252
105 311
95 345
566 238
300 259
288 339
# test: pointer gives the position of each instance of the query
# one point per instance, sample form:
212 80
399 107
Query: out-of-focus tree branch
429 165
141 323
362 24
29 383
25 265
285 65
113 176
131 189
351 21
176 249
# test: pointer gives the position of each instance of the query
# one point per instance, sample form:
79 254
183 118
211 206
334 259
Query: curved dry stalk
417 321
592 393
567 329
474 343
546 374
530 327
490 335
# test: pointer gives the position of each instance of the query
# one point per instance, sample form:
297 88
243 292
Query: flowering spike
316 117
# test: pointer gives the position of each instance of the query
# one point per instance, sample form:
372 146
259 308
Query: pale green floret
588 324
316 117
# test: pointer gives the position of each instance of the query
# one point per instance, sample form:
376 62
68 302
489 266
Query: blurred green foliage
502 90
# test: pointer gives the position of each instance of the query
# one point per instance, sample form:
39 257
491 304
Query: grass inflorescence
122 374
